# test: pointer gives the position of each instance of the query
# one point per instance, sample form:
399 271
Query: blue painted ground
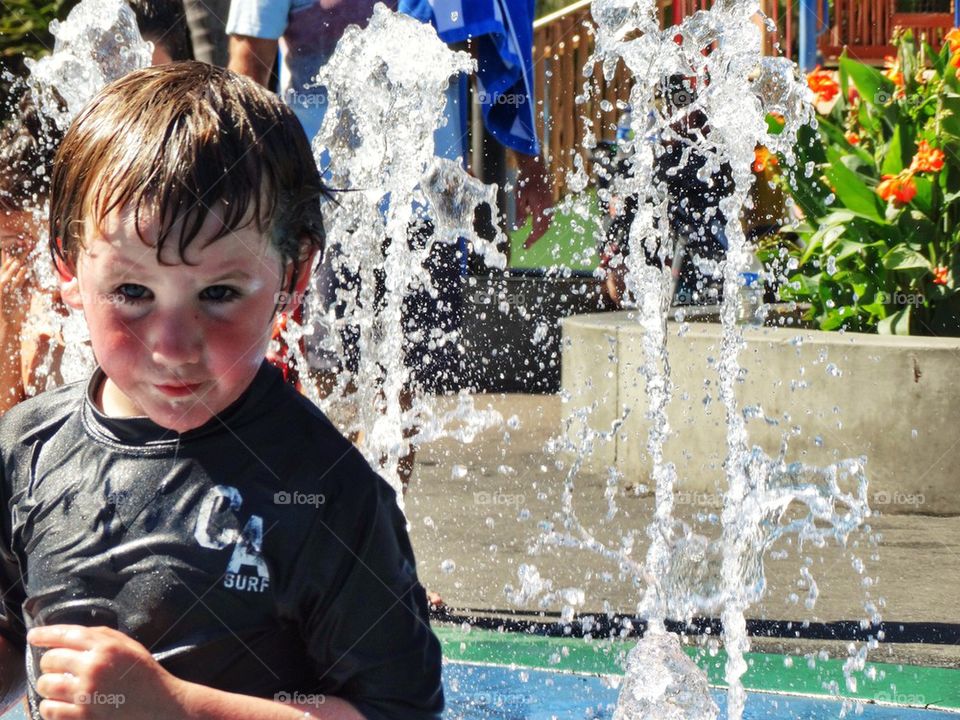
485 692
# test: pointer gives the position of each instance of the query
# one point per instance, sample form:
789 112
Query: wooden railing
562 46
865 28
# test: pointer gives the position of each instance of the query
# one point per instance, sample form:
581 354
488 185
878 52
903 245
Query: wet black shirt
258 554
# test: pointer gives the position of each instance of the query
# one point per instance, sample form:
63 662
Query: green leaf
867 120
939 60
950 116
903 257
835 136
924 198
893 155
846 248
774 126
896 324
873 87
853 192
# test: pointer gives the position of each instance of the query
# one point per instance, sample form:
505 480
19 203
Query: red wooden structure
865 27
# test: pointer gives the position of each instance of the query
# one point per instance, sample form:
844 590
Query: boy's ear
299 283
69 285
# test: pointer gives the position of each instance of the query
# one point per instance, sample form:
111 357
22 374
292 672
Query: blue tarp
502 31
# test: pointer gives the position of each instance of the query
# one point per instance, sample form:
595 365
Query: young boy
251 564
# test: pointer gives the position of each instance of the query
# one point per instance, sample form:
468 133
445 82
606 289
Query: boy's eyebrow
237 273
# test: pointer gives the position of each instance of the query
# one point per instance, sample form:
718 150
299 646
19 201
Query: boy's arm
365 618
204 703
85 667
13 675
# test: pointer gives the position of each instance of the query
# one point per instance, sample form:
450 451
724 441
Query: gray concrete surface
829 395
476 514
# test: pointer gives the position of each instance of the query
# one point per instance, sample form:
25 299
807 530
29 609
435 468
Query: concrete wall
829 395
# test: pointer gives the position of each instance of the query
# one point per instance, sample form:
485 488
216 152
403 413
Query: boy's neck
112 402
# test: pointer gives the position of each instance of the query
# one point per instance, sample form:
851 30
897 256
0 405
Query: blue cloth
502 31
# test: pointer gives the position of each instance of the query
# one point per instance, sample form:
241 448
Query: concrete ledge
828 395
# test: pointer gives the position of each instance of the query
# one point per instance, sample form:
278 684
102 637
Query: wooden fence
865 27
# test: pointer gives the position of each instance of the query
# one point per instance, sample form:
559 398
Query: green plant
878 183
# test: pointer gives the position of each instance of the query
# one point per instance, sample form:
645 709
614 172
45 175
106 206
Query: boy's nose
176 340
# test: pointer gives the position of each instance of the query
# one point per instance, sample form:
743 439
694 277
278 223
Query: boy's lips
178 389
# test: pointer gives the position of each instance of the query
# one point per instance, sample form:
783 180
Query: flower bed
878 186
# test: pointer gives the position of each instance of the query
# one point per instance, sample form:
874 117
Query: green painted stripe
906 684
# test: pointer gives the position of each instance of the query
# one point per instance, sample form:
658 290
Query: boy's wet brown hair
177 142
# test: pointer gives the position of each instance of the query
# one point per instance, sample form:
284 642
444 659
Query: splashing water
386 88
97 43
685 573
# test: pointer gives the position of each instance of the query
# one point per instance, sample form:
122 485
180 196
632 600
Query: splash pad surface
572 678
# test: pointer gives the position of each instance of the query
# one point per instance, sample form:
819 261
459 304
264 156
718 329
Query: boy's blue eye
131 292
219 293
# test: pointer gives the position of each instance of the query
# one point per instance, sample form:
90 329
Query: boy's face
177 342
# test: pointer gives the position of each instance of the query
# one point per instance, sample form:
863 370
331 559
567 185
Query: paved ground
477 511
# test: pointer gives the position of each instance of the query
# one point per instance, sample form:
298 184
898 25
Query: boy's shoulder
302 430
40 413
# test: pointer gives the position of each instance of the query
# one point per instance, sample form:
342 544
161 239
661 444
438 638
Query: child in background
27 146
239 556
164 23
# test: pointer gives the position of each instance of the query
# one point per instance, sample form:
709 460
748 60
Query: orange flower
892 71
927 159
898 188
823 84
764 159
852 138
953 37
853 95
940 275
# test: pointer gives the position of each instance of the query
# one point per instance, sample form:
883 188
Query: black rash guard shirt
258 554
